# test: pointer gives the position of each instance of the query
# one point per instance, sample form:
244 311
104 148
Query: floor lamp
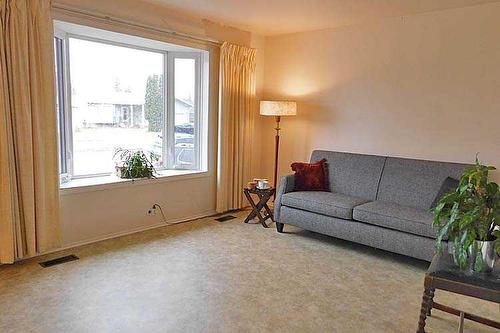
277 109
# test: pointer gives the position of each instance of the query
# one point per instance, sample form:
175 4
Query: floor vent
58 261
225 218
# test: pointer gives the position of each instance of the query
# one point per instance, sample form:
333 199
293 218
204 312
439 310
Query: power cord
156 205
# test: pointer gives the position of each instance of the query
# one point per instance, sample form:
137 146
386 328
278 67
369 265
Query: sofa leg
279 226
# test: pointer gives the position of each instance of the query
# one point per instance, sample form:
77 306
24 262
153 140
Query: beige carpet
206 276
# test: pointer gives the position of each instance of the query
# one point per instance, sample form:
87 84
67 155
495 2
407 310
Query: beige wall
425 86
107 212
159 16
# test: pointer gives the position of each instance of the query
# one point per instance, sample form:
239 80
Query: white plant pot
482 256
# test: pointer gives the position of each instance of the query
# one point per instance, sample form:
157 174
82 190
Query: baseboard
124 233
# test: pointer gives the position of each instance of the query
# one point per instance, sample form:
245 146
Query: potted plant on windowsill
470 218
135 164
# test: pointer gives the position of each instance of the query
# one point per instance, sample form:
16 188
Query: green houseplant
470 216
134 164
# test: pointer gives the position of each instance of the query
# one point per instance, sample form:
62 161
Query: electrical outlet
151 211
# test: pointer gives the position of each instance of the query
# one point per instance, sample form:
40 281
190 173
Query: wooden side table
264 196
443 274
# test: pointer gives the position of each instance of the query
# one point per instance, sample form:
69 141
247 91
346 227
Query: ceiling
271 17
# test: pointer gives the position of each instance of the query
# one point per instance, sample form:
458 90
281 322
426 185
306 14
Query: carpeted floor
206 276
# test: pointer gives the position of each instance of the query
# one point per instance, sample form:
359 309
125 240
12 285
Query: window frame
168 140
171 57
65 136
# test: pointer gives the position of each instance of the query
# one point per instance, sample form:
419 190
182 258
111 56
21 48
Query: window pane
184 90
117 102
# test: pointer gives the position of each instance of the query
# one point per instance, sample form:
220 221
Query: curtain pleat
236 101
30 193
7 244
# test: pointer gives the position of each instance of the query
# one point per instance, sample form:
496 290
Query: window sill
112 181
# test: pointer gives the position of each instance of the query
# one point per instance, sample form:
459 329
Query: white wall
425 86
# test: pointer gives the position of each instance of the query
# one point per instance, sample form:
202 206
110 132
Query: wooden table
445 275
264 196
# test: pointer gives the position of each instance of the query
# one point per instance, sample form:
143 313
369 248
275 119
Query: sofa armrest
287 184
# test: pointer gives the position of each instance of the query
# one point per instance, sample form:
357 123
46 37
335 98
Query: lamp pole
276 152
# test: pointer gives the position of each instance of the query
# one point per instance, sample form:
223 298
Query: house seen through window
124 93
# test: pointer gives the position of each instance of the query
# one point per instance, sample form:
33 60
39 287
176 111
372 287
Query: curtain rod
108 18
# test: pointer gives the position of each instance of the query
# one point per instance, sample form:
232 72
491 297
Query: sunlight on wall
298 87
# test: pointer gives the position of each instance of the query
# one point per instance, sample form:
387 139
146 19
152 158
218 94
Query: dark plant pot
482 256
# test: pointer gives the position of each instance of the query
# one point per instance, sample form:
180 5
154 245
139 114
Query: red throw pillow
311 176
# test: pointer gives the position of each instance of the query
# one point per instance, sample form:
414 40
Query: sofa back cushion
415 183
352 174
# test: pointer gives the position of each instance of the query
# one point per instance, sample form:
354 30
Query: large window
120 92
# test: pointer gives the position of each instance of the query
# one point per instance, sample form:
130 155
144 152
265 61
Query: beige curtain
237 97
29 198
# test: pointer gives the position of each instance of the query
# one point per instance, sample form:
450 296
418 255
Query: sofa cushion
352 174
394 216
415 183
311 176
449 185
326 203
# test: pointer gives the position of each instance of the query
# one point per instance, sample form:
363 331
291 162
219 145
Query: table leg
461 324
431 302
257 207
263 204
466 315
269 212
252 215
424 309
262 219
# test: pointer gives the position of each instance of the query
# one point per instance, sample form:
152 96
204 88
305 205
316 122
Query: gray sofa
377 201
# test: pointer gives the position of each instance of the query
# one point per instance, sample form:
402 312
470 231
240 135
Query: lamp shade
278 108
